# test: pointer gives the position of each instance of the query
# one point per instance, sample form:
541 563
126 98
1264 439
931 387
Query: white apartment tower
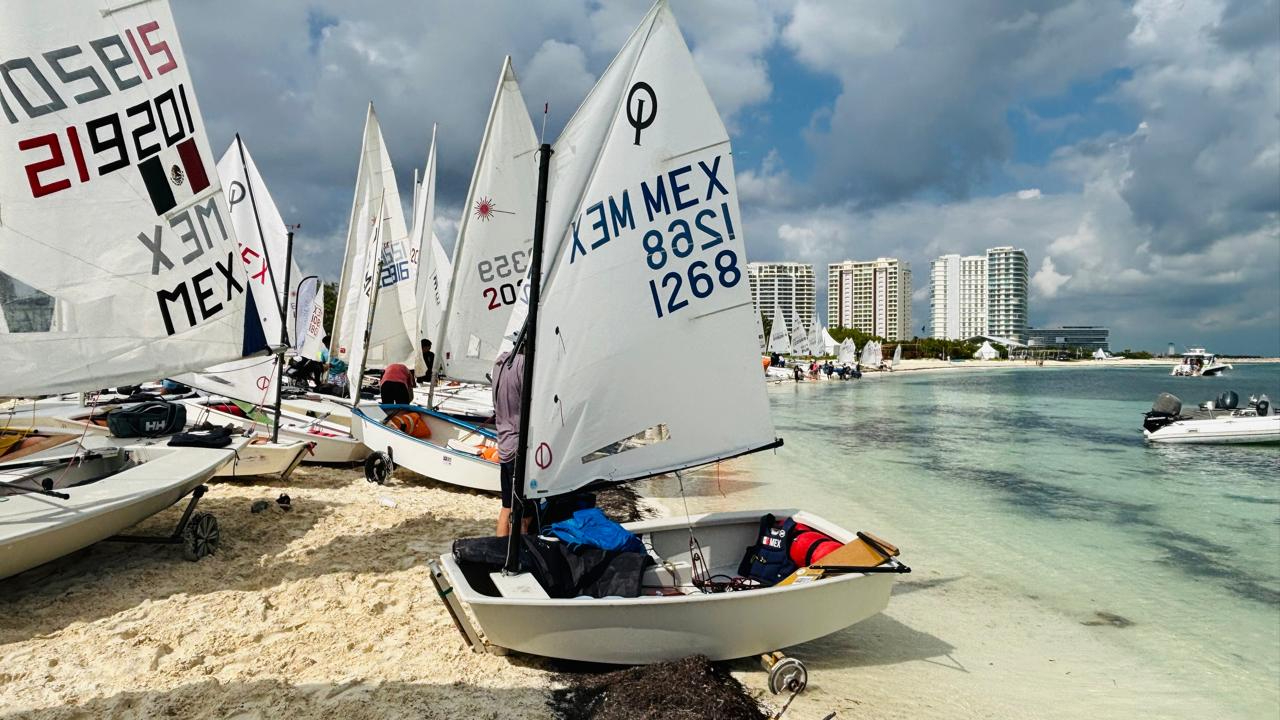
873 296
958 296
785 286
1007 293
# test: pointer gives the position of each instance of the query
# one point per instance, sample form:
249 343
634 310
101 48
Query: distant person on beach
508 393
799 374
396 385
429 358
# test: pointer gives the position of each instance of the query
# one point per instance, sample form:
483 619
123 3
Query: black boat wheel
200 537
377 468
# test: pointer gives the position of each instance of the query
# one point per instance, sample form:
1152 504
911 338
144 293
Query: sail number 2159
671 290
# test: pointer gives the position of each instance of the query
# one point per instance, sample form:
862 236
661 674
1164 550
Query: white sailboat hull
432 458
1230 430
145 479
653 629
265 459
332 443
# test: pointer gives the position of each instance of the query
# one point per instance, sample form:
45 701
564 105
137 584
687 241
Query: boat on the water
1196 362
589 420
1220 422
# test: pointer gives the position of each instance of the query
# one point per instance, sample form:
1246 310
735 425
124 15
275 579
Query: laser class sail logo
638 119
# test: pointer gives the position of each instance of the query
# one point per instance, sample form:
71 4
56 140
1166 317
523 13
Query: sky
1131 148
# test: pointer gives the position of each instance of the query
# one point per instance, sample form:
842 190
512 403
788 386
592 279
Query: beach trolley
672 276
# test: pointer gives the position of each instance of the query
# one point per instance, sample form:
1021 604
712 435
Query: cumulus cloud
1047 279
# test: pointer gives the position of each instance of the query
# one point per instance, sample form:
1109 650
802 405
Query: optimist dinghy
91 232
668 274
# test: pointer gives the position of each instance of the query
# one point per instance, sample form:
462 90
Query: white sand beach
328 611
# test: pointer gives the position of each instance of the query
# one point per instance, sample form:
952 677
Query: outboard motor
1166 409
1264 406
1228 400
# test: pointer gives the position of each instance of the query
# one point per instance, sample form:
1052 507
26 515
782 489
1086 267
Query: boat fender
769 559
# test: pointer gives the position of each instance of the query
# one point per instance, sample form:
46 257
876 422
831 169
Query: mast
284 337
529 340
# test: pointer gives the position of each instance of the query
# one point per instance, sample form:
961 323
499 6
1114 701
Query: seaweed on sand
690 688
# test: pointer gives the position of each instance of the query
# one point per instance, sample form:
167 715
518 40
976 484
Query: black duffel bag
147 419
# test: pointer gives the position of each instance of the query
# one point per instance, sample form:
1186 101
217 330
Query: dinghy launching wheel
786 674
200 537
377 468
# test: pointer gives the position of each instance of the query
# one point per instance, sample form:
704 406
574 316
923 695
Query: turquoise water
1038 481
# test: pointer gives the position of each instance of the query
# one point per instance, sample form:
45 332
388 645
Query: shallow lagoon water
1037 481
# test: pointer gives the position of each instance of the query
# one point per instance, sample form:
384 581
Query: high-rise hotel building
958 296
1007 293
783 286
979 295
873 296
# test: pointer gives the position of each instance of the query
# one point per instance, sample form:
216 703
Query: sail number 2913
672 290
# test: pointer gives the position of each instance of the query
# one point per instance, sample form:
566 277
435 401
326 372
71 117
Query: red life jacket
808 546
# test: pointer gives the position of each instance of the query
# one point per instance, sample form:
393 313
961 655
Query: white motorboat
1198 363
451 453
1218 424
587 419
654 628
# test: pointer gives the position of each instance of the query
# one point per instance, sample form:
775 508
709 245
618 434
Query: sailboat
254 386
598 303
128 237
897 356
779 335
799 337
491 255
424 440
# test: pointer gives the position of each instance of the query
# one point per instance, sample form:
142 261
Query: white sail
799 337
829 343
309 320
492 253
110 207
425 255
816 346
847 353
263 246
779 335
644 250
394 337
369 292
897 356
868 357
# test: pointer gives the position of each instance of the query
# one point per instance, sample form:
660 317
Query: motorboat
1198 363
1217 422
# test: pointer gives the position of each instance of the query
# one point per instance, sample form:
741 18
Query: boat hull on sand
445 456
1228 430
332 443
650 629
137 480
